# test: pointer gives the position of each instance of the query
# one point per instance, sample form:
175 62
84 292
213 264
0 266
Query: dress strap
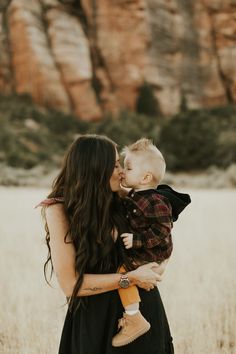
50 201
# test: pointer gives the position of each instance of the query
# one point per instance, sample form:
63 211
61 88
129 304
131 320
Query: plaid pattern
150 219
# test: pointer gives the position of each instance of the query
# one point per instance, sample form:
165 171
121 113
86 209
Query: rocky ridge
91 57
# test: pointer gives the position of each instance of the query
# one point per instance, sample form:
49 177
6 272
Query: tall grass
198 288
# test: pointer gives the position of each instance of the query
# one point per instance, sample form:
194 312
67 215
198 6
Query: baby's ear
147 178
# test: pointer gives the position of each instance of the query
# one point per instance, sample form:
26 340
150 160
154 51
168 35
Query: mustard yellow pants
130 295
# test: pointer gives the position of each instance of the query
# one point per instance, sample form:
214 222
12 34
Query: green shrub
128 127
22 146
197 139
147 103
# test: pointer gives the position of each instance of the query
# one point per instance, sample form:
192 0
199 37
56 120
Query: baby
149 216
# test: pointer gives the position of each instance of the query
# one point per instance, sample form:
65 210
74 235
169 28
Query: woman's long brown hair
90 205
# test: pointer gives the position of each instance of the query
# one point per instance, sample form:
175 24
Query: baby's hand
127 239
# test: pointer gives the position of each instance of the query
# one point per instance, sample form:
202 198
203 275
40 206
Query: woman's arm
63 259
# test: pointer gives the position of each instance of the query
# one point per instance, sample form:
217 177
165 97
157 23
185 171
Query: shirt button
134 210
132 195
127 216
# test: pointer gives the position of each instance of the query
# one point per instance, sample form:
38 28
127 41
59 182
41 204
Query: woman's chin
116 187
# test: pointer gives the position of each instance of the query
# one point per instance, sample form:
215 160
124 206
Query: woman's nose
121 172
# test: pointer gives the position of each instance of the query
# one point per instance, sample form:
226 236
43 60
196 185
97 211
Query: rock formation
90 57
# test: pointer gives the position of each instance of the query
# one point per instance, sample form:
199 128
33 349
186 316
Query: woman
84 217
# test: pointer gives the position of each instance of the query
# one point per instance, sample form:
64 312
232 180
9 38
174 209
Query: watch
124 281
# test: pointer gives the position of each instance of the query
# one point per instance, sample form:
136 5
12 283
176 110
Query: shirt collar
136 195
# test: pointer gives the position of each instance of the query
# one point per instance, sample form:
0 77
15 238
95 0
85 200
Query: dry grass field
198 289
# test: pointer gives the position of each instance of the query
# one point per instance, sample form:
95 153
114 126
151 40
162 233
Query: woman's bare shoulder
55 214
57 221
55 210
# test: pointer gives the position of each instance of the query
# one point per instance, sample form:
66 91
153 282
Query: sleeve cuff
137 241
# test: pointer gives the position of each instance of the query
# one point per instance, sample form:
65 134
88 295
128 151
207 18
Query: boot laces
122 322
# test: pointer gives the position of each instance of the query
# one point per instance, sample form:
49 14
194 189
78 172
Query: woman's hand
160 268
144 276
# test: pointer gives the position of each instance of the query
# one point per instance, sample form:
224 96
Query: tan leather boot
132 327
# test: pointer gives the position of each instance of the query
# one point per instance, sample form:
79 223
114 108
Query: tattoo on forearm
92 289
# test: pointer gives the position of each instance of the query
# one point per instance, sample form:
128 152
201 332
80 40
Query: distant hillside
89 58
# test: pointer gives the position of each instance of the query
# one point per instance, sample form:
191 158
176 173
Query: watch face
124 283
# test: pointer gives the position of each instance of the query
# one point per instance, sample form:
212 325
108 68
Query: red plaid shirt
150 219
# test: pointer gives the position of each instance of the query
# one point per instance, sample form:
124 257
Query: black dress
89 330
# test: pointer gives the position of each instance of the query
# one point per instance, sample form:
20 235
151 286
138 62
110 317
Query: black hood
178 201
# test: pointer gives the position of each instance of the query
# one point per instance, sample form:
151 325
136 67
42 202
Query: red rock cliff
88 57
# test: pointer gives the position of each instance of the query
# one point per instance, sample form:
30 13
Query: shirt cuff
137 241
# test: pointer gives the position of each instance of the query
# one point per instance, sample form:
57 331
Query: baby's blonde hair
154 161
